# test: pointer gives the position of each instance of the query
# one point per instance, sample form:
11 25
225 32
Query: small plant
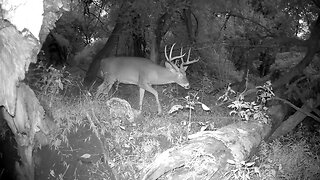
191 100
265 93
254 109
242 170
227 95
53 80
49 81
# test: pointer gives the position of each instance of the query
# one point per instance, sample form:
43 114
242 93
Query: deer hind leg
154 92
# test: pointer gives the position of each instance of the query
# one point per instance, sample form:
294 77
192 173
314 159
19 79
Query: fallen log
206 153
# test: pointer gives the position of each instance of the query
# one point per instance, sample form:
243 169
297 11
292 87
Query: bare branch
248 19
298 109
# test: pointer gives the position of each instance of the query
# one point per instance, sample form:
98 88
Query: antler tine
165 53
181 65
171 51
170 58
181 55
190 62
188 55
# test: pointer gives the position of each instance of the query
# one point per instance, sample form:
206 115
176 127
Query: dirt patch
72 161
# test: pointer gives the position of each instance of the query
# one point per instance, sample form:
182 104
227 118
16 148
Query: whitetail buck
144 73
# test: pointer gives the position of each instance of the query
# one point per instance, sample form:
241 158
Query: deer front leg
141 95
155 93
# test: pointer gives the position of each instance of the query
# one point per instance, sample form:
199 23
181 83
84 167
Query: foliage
191 101
301 14
220 69
129 146
50 81
91 20
84 57
256 110
229 36
290 157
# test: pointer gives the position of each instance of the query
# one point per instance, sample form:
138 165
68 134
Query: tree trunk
160 31
139 42
107 49
154 54
104 52
21 109
188 22
139 45
205 154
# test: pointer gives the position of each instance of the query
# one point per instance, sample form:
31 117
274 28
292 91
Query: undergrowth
129 146
290 157
126 146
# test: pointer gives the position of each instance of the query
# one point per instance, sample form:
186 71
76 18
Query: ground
135 143
87 135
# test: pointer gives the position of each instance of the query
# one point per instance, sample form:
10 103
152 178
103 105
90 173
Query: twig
298 109
95 130
65 171
315 110
247 83
250 20
2 170
75 173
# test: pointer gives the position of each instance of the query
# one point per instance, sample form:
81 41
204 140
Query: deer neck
165 76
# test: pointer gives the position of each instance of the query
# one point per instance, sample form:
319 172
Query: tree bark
107 49
104 52
139 45
160 31
188 22
21 109
211 149
139 42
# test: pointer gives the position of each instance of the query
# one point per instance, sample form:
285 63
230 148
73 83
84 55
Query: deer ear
169 66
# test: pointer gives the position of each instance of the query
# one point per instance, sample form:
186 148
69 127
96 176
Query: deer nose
187 86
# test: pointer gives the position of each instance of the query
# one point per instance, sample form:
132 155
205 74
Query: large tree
148 21
110 44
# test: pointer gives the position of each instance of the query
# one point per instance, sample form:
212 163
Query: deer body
134 70
142 72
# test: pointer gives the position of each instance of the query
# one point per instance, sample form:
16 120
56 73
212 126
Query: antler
170 58
183 63
187 62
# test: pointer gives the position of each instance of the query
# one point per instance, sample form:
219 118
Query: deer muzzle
187 86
